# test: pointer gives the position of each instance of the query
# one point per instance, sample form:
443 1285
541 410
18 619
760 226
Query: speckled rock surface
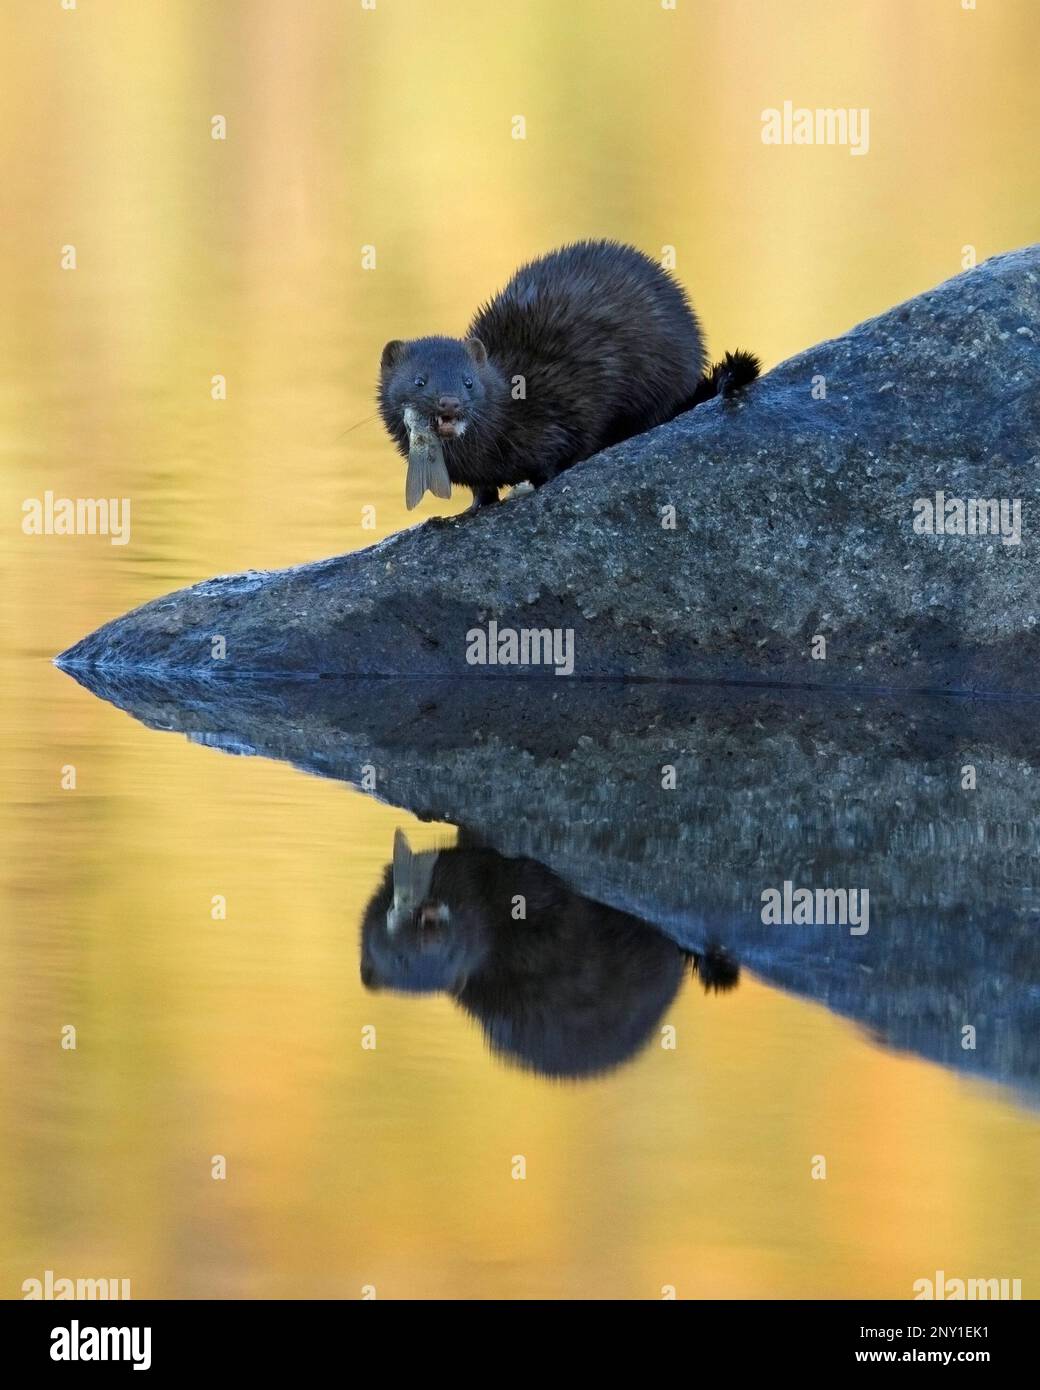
793 519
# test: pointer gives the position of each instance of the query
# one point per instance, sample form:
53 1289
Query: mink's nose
449 407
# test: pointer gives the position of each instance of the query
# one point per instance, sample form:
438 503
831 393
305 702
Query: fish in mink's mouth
419 424
449 427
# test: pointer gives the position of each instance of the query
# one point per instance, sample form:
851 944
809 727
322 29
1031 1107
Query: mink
584 347
559 983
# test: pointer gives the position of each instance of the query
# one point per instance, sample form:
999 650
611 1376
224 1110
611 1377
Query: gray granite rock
793 520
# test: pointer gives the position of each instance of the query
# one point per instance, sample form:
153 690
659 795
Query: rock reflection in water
931 805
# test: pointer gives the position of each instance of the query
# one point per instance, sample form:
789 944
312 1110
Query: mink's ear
392 354
477 351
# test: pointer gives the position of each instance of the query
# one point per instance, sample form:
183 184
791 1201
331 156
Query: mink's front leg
482 497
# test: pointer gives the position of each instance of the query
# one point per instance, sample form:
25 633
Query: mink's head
422 932
436 384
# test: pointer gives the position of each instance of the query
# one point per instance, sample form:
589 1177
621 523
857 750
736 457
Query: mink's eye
419 381
467 381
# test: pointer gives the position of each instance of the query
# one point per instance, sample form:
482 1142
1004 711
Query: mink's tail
725 379
716 968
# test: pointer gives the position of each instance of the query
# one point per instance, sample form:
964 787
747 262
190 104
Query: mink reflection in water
570 988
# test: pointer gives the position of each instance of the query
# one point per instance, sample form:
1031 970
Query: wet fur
606 343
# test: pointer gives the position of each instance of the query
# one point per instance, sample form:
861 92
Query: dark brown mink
570 988
584 347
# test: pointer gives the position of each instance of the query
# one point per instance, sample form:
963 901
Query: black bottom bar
174 1339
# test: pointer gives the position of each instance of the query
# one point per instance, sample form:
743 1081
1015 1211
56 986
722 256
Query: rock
824 791
793 520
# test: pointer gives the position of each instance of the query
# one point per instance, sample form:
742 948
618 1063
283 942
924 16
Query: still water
350 1166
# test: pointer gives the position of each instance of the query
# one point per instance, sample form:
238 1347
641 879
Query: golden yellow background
391 128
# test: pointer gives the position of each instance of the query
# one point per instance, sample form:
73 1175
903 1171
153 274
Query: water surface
687 1167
